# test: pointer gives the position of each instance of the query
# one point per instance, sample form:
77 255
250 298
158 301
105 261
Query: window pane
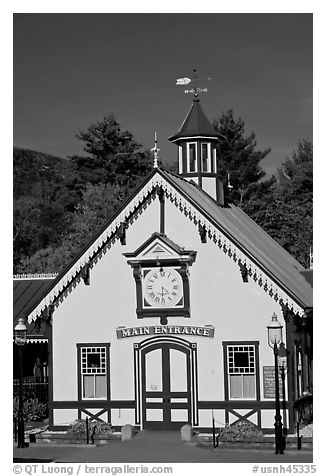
88 386
249 386
93 360
235 386
153 365
204 157
241 359
178 371
100 386
192 158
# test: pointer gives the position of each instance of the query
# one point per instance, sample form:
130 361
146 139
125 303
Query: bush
33 410
240 432
78 428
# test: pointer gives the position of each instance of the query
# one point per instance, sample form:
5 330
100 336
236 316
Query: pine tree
113 154
283 206
238 159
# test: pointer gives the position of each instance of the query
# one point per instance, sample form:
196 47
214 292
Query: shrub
78 428
240 432
33 410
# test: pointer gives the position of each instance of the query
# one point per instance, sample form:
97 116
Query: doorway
166 386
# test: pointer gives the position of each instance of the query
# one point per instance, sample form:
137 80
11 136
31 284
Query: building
161 319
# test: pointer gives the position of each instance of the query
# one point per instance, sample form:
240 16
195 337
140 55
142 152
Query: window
214 161
241 370
93 371
205 158
192 157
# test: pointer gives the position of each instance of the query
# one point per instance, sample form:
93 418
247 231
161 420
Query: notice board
269 382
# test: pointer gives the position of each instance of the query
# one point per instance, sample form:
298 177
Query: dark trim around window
79 374
225 364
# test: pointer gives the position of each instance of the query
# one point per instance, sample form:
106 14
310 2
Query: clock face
163 287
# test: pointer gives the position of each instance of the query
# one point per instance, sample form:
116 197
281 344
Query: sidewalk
154 447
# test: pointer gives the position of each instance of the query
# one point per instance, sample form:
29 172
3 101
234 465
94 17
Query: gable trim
135 205
234 250
98 246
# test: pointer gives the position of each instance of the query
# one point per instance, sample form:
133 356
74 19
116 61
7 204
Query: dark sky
72 69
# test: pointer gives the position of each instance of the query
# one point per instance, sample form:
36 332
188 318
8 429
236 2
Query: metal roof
252 239
195 124
26 293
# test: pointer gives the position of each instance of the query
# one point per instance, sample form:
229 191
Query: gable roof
254 241
195 124
243 240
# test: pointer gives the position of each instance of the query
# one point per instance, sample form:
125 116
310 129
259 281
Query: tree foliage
283 206
59 204
98 203
238 158
113 154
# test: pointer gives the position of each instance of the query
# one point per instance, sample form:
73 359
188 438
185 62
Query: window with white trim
205 157
241 368
192 156
94 371
214 161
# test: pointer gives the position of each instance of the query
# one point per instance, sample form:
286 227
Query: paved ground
154 447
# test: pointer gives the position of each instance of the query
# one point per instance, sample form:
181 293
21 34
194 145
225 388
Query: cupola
197 141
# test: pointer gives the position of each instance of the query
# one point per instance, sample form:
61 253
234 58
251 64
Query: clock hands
163 293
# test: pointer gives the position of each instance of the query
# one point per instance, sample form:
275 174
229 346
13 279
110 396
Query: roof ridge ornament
155 151
195 90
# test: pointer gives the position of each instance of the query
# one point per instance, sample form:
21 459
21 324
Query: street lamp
274 330
282 357
20 333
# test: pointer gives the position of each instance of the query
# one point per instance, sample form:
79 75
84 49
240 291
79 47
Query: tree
53 208
98 203
283 206
296 173
237 155
113 154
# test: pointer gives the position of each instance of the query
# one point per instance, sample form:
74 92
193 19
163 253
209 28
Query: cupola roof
195 124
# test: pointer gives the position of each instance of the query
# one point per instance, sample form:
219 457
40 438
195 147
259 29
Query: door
166 387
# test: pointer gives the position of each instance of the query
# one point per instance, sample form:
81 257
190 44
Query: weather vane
155 151
195 90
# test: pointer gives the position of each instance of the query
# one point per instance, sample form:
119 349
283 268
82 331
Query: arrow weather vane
195 90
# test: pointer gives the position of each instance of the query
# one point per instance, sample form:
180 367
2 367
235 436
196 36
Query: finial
155 151
311 261
195 90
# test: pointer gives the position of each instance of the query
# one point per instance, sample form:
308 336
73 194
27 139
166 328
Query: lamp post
274 339
20 333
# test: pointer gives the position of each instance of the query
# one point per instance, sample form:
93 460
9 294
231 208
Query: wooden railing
304 410
32 390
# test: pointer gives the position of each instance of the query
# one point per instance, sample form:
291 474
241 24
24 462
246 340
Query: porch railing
32 390
303 408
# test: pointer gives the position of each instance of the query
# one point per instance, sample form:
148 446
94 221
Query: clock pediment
159 247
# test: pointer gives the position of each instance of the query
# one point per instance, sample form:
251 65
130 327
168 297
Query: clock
162 287
161 273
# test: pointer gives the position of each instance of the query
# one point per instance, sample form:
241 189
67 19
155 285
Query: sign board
269 382
205 331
